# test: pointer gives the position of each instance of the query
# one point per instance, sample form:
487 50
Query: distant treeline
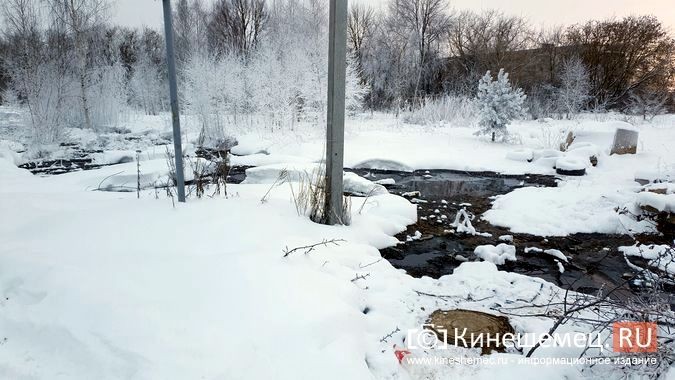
70 65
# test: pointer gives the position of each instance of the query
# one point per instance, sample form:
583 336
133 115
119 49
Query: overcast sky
538 12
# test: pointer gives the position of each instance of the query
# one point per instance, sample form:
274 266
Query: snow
496 254
101 285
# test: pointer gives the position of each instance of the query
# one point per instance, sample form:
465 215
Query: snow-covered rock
496 254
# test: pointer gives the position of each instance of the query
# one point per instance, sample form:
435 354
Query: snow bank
564 210
496 254
99 285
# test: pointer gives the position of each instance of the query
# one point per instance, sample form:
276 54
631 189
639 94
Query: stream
428 247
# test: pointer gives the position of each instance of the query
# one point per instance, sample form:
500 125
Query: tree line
70 66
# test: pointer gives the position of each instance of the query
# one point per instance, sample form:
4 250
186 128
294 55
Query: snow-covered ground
101 285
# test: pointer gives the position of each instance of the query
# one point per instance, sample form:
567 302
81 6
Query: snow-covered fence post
335 118
173 90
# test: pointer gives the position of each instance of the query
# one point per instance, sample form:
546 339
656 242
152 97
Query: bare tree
488 37
422 22
237 25
624 56
360 32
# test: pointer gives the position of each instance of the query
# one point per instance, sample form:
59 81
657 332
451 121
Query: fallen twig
309 248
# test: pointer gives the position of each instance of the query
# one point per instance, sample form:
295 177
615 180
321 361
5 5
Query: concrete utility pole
335 128
173 89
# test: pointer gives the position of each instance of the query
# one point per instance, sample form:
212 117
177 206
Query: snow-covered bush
498 103
452 109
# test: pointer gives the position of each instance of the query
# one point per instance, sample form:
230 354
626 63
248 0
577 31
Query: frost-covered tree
38 81
147 88
78 19
573 92
499 103
214 88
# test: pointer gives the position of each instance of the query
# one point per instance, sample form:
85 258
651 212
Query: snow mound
508 238
520 155
249 144
496 254
660 202
381 164
570 164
